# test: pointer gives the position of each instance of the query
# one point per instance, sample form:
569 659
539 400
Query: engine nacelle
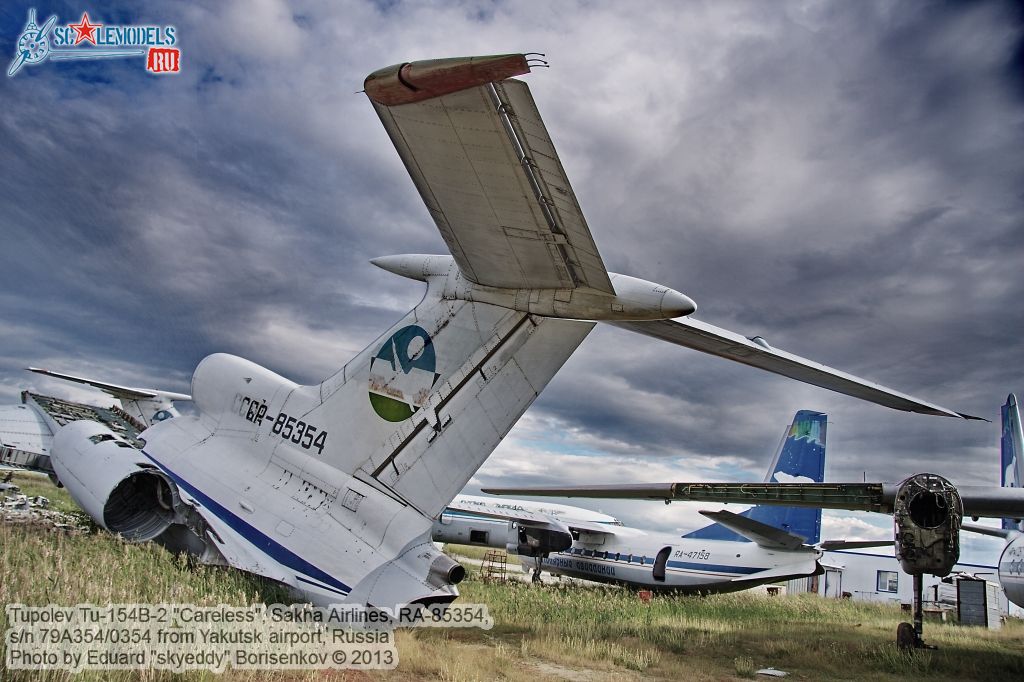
113 482
421 574
927 513
445 571
223 385
534 541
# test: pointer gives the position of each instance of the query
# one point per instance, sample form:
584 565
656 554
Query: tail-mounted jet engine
538 540
113 482
445 571
927 513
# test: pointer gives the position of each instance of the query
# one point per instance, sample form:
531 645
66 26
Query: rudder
800 458
1011 449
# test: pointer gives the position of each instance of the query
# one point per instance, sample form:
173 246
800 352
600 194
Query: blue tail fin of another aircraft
799 459
1012 447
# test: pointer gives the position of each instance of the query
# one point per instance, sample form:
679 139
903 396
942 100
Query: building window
888 581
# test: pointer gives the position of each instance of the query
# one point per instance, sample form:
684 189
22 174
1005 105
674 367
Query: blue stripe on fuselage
680 565
256 537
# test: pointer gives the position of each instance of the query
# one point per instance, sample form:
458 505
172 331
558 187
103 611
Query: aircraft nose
675 304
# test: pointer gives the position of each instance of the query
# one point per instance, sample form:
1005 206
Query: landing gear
908 637
537 570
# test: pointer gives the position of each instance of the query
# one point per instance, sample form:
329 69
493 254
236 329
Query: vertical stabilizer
421 408
1012 464
799 459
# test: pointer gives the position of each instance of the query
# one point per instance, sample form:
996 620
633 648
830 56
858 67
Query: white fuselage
666 561
463 527
1011 570
628 555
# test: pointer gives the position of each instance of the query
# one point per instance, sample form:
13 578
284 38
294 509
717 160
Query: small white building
874 577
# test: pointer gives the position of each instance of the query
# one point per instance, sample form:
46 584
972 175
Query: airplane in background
761 545
26 431
486 521
1011 561
264 469
927 512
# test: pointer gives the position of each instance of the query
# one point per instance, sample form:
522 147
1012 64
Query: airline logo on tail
802 457
402 373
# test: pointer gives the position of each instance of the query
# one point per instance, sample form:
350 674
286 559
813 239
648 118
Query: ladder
494 567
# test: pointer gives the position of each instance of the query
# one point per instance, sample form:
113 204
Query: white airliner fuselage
666 561
625 555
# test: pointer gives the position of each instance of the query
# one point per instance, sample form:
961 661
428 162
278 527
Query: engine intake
141 506
113 482
927 513
535 541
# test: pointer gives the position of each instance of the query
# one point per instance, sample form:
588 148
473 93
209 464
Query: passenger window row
613 556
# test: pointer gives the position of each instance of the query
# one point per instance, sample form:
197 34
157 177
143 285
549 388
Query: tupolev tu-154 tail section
332 488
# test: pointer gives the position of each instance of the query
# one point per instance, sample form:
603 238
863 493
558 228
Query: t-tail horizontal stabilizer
714 340
517 233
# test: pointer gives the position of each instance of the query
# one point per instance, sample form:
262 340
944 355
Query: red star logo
85 30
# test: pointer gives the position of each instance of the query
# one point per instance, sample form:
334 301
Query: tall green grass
823 638
541 632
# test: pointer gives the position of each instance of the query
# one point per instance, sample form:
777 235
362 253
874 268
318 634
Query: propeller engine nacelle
927 513
538 541
113 481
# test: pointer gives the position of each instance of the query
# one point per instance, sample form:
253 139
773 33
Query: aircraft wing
829 545
707 338
119 392
988 530
523 517
987 501
22 430
483 162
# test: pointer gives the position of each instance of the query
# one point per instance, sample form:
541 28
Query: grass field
540 633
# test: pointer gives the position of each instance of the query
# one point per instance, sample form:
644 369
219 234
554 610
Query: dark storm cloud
841 178
881 235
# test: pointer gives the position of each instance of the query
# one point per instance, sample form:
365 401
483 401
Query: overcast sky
842 178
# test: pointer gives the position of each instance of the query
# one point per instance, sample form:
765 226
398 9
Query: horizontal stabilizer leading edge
714 340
